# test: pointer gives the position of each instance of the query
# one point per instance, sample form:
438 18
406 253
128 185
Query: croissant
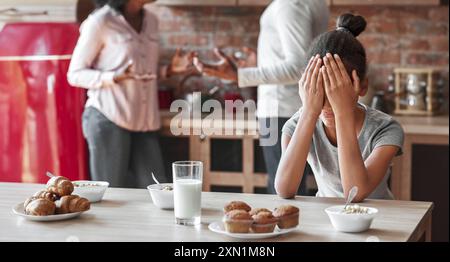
40 207
71 204
46 195
60 186
28 201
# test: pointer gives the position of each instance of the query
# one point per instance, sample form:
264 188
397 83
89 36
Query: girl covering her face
346 143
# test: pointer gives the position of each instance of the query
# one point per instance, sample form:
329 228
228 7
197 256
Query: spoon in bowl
351 195
169 188
154 179
50 175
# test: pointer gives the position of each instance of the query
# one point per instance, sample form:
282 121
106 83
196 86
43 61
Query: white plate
18 210
219 227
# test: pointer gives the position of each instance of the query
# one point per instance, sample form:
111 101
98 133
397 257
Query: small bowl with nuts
162 195
351 219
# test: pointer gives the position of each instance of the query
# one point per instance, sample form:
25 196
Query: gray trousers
272 153
119 156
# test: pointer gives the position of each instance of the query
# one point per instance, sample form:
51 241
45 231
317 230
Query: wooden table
129 215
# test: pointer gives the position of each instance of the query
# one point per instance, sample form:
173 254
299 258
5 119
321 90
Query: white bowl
92 190
350 223
161 198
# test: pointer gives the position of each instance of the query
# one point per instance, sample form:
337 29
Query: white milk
187 198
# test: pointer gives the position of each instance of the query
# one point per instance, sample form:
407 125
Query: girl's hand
341 92
310 87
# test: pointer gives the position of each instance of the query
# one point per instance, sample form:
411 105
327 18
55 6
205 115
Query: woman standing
116 58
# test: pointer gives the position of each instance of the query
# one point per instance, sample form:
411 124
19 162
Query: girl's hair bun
353 23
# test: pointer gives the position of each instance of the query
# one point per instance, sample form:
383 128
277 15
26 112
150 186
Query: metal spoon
351 194
154 178
49 174
213 90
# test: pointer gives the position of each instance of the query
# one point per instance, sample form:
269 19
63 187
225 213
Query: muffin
237 221
263 222
287 215
236 205
255 211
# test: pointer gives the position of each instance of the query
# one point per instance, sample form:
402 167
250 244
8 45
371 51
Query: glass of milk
187 191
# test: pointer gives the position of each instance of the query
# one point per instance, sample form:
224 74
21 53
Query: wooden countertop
423 125
129 215
249 125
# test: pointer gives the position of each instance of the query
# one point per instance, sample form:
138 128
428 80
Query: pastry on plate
72 204
60 186
46 195
287 215
27 201
237 221
263 222
236 205
255 211
40 207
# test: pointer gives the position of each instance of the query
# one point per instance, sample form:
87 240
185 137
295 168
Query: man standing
288 27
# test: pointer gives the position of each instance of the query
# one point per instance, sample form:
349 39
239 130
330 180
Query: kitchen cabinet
421 173
430 173
200 149
431 130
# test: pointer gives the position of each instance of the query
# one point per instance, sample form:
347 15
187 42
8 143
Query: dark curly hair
118 5
342 41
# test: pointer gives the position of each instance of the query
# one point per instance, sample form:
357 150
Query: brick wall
203 28
403 36
395 36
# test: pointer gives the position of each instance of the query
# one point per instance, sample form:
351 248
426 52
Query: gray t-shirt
379 129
